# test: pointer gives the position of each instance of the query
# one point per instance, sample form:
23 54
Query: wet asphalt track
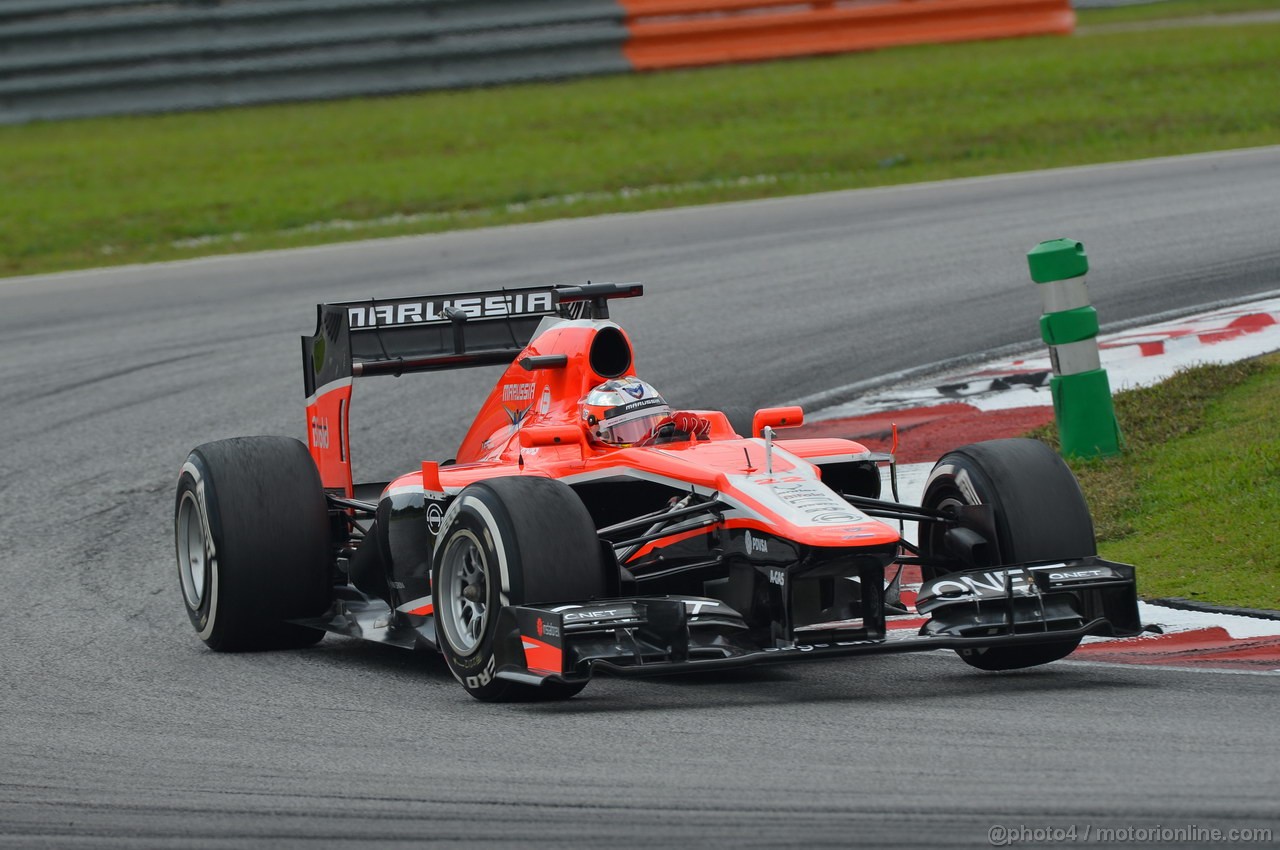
118 728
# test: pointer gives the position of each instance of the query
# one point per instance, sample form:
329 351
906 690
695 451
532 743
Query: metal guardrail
77 58
74 58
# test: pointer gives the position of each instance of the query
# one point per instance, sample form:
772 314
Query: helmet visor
633 430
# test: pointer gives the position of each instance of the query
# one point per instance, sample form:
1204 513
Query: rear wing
395 336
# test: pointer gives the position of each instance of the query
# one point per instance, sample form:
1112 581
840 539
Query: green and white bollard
1081 392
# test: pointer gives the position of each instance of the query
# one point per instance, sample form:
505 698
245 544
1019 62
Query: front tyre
251 528
1039 515
508 541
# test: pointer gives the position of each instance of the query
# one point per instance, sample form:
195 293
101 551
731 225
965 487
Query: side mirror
550 435
776 417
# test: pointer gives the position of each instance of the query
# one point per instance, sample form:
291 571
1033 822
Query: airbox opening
610 354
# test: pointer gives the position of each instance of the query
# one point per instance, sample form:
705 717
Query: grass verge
1192 501
106 191
1171 9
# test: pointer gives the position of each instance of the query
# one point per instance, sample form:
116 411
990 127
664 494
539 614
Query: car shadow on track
891 684
900 681
353 652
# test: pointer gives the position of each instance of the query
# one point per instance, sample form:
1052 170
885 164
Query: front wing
645 636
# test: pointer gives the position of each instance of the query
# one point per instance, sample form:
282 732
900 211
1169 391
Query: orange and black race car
584 526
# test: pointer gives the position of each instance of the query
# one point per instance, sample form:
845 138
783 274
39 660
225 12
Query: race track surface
120 728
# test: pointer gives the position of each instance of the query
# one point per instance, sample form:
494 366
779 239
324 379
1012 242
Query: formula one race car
584 526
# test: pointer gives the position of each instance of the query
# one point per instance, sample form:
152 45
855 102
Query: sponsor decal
547 630
778 577
576 613
633 406
1080 575
817 503
544 406
435 517
429 311
694 607
590 615
636 391
986 584
517 416
755 544
320 432
518 392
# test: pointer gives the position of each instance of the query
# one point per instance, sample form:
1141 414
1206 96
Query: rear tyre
508 541
252 536
1039 512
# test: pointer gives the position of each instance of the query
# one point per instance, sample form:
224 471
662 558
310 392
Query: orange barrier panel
676 33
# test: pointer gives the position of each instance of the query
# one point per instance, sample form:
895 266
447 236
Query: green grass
1193 500
1168 9
95 192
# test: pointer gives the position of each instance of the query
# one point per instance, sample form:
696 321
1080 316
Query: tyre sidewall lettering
960 478
482 678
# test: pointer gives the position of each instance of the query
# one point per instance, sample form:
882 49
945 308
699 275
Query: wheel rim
463 596
193 551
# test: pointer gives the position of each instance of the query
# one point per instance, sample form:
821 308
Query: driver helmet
623 411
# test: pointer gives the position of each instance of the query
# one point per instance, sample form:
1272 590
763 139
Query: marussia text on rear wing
394 336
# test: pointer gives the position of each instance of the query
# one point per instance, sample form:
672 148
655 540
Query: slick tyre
1039 513
508 541
251 528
